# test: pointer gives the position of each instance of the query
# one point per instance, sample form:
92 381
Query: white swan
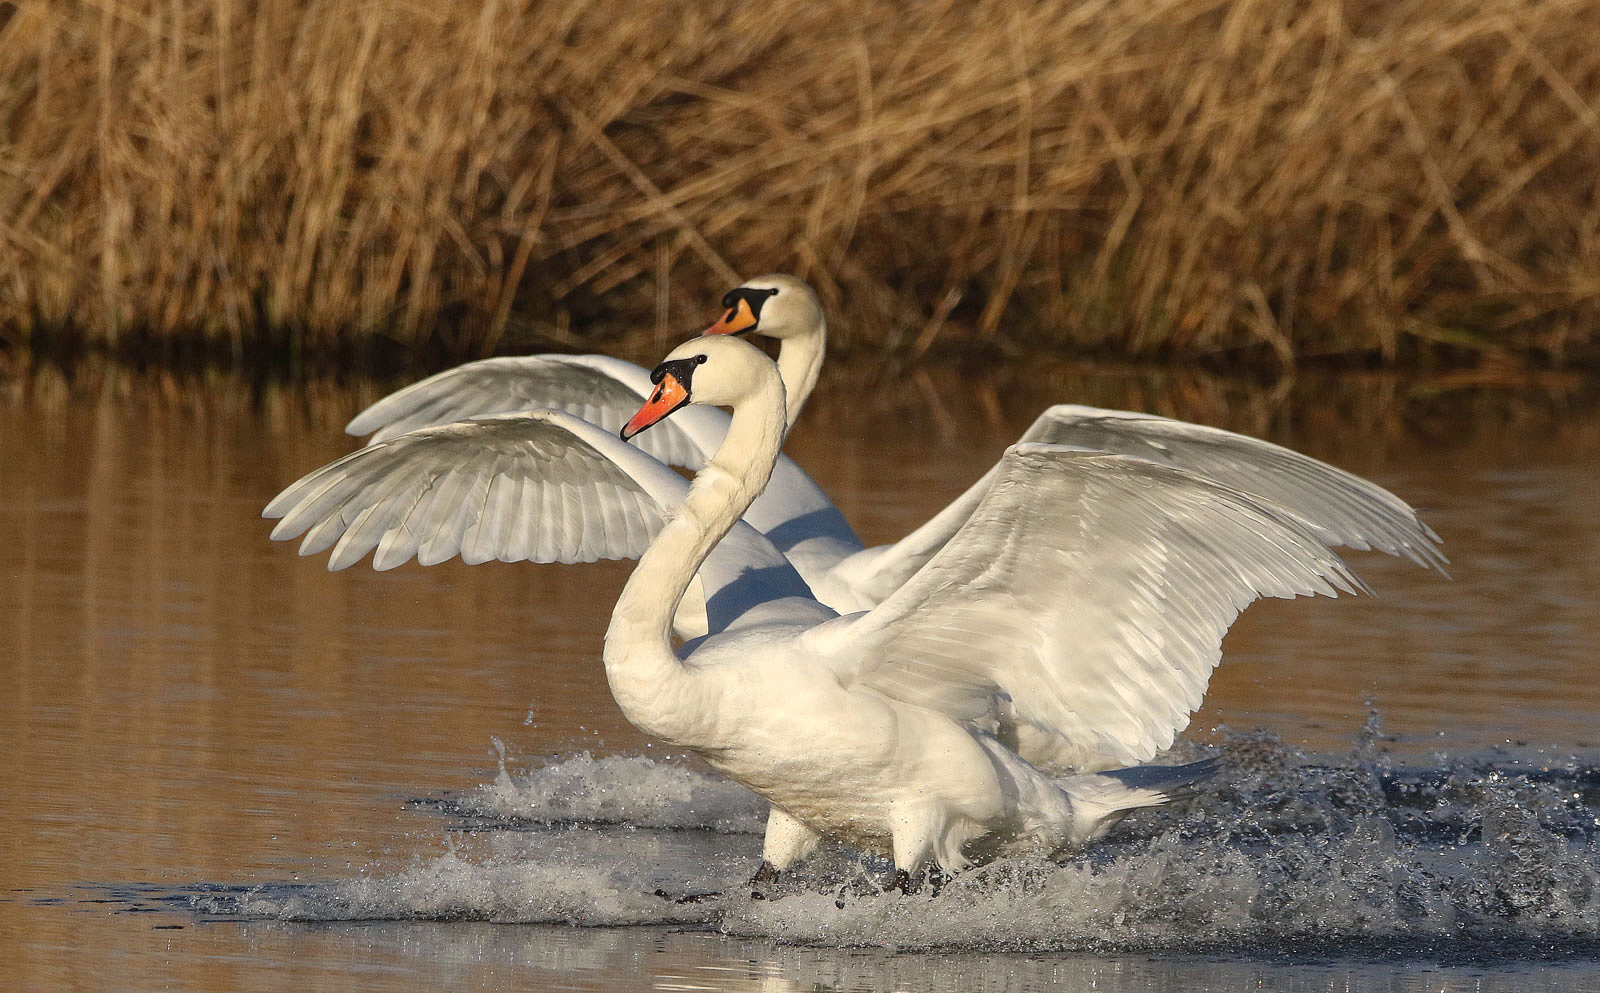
1341 508
1076 613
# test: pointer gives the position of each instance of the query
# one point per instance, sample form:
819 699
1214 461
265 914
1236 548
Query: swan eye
772 292
701 359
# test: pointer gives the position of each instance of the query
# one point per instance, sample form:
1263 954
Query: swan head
775 305
719 371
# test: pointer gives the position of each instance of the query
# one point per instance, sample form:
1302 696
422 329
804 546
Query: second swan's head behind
718 371
775 305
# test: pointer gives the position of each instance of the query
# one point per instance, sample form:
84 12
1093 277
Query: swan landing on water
1070 620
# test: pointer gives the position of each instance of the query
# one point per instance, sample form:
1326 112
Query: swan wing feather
462 488
1340 507
599 389
605 391
1083 601
542 486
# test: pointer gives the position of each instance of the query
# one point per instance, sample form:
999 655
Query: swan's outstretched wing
542 486
1083 603
601 390
1339 507
793 511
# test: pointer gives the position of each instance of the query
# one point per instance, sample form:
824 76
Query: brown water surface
185 701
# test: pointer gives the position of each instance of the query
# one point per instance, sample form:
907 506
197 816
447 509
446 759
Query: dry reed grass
1183 177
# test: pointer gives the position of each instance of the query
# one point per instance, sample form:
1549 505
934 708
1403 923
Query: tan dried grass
1179 178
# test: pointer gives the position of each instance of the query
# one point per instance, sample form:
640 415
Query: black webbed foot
908 883
765 876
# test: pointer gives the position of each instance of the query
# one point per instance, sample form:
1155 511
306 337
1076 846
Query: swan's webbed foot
908 883
765 876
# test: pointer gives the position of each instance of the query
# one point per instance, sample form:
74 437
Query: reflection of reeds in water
1298 178
1352 418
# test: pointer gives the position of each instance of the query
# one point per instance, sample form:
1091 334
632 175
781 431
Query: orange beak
668 396
739 319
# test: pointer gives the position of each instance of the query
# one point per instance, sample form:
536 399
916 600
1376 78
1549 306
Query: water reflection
186 700
487 957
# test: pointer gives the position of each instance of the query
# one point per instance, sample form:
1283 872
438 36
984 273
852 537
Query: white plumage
1070 618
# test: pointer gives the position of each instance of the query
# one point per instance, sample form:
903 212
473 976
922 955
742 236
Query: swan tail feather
1101 799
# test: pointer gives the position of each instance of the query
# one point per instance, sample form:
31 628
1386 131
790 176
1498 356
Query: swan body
1073 617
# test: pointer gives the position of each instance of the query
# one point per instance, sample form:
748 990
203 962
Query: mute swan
1083 602
1341 508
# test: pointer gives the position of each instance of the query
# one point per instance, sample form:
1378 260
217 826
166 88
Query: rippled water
226 768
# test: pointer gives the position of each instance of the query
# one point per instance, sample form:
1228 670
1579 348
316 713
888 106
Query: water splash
1289 853
615 789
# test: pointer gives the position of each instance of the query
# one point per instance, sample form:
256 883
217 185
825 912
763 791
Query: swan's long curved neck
800 363
656 690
